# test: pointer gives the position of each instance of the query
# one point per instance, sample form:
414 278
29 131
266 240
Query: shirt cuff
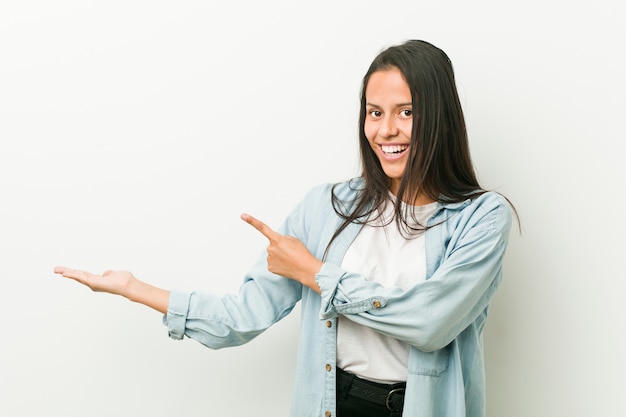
176 316
338 299
328 279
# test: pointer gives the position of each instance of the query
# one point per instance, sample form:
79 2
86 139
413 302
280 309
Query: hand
120 283
113 282
287 256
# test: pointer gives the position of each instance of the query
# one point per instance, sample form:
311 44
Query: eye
375 113
406 113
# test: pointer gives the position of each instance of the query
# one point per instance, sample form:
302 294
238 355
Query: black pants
351 401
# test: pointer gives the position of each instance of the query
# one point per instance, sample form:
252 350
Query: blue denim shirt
442 319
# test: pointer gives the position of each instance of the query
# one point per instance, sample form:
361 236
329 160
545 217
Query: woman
395 269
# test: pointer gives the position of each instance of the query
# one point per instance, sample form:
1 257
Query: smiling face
389 121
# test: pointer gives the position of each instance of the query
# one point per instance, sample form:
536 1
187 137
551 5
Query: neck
420 200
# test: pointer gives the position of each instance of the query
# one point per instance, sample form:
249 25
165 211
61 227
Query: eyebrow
397 105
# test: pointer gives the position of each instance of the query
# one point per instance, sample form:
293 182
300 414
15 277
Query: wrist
310 274
143 293
132 289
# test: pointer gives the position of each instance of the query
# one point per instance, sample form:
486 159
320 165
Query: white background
134 133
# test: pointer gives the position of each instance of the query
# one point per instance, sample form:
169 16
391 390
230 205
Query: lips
393 151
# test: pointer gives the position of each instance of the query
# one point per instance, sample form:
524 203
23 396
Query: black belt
388 395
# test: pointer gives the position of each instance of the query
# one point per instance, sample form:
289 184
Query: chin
394 175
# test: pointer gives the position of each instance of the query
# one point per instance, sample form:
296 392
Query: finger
74 273
83 277
60 269
261 227
68 272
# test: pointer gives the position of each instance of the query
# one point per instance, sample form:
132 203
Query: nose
388 127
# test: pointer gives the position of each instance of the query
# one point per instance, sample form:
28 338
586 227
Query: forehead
387 84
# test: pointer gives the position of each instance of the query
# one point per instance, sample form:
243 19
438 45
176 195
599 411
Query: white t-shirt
384 255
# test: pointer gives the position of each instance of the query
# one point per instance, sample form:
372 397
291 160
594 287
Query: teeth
393 148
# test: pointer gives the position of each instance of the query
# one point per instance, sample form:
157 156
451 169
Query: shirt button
327 414
329 368
376 304
329 324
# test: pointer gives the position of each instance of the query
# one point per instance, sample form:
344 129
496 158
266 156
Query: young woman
395 269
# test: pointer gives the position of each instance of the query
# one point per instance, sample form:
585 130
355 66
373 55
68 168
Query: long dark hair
439 164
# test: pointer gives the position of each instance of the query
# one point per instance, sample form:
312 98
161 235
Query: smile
393 151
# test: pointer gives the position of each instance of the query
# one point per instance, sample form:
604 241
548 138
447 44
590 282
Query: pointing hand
287 256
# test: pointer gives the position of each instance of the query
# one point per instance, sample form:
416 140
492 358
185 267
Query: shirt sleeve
234 319
434 312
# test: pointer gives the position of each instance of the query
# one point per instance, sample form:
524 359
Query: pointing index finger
261 227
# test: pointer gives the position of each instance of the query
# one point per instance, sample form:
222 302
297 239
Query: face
389 121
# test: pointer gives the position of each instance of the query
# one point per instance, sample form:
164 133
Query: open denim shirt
442 318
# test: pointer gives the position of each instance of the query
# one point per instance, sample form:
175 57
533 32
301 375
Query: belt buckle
393 392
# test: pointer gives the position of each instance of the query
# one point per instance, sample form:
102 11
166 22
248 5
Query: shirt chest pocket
429 363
